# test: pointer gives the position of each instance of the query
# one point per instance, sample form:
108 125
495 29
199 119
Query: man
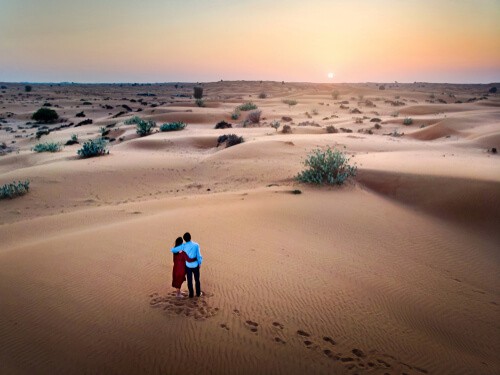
193 264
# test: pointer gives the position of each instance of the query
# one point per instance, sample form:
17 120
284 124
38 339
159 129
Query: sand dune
396 272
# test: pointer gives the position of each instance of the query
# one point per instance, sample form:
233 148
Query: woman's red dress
179 271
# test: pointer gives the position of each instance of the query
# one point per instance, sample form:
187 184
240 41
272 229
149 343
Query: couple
187 261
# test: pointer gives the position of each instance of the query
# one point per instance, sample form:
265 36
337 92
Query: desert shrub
262 95
247 107
172 126
93 147
200 102
254 116
223 125
331 129
275 124
47 147
28 88
296 192
133 120
45 114
381 87
236 114
492 90
144 127
287 129
335 94
407 121
375 119
229 140
104 132
378 126
326 167
198 92
14 189
80 114
86 103
42 132
73 140
85 122
290 102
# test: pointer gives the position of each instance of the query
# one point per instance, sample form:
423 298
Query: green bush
14 189
45 114
144 127
247 107
133 120
47 147
408 121
93 147
326 167
254 117
28 88
236 114
200 102
171 126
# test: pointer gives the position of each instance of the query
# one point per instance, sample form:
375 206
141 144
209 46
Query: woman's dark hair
178 241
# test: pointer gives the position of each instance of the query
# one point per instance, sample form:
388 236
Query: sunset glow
191 40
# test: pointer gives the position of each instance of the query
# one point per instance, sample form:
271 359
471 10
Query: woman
179 271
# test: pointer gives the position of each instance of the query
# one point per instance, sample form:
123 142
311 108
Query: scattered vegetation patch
326 167
296 191
93 147
172 126
290 102
80 114
287 129
262 95
144 127
229 140
493 90
407 121
275 125
236 114
331 129
85 122
47 147
223 125
254 117
133 120
45 114
247 107
28 88
73 140
200 102
14 189
42 132
198 92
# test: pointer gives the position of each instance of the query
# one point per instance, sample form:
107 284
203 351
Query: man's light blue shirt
192 250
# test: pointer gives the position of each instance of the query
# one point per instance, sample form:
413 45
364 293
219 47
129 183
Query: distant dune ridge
395 272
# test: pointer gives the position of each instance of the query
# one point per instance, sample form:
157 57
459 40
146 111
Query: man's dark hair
187 237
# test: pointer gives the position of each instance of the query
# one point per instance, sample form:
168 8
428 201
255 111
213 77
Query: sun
330 75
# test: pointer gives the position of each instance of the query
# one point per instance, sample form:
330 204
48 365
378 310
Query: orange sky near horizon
196 40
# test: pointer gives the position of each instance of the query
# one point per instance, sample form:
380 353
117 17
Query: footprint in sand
358 352
236 311
303 333
308 344
279 340
278 325
252 325
223 325
329 339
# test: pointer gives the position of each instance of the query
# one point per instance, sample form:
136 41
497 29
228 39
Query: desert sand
395 272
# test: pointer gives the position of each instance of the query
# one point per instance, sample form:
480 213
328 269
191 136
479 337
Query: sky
455 41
